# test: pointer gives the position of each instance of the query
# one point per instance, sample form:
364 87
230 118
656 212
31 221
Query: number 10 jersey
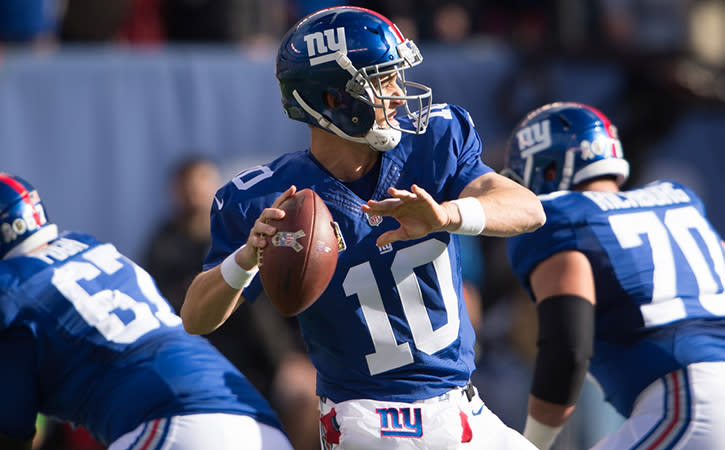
392 323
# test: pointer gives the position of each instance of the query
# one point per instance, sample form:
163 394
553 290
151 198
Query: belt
470 391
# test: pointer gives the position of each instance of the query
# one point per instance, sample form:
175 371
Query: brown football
298 263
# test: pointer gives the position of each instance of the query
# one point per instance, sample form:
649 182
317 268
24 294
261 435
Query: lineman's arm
563 285
211 299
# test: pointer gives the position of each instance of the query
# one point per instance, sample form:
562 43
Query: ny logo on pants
400 422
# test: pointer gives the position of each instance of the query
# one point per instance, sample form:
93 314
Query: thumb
390 236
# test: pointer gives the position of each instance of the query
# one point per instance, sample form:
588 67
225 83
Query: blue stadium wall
97 130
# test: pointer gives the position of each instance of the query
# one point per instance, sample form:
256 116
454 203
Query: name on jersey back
661 194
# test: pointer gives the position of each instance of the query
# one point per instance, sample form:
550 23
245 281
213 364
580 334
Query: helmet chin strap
383 139
378 137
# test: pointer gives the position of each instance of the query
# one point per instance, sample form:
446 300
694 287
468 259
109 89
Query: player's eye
389 81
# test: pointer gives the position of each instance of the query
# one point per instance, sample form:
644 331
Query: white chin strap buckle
383 138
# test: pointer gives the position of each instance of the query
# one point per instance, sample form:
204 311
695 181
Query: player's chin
382 122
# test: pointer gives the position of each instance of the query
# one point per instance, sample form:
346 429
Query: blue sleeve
18 385
222 227
527 250
468 147
230 225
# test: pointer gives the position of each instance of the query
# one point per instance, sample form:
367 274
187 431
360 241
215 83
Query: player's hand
261 231
416 211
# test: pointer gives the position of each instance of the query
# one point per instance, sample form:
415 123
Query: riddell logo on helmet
326 44
32 219
18 227
602 146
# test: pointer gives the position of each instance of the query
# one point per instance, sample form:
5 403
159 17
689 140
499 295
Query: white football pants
684 409
449 421
203 431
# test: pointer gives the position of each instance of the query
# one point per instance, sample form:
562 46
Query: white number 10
360 281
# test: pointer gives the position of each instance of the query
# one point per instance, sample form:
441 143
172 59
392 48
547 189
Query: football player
86 338
629 285
390 336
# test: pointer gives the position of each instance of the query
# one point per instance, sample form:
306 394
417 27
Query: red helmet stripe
376 14
607 127
24 194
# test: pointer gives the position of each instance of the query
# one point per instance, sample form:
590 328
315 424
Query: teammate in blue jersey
629 285
390 336
86 338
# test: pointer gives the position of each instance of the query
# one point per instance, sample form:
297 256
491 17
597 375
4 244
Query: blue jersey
392 323
86 337
659 268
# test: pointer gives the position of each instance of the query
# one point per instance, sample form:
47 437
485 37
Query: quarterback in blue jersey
86 338
390 336
629 285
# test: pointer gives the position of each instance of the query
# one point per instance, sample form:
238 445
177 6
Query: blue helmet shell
308 64
23 223
559 145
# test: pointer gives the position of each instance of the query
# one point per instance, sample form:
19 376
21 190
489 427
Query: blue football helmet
23 224
344 52
561 144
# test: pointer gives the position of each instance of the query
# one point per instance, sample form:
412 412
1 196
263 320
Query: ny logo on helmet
326 44
534 138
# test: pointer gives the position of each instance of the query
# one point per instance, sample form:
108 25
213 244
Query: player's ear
331 99
550 172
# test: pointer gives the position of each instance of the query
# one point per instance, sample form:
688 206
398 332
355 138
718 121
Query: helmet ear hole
331 98
550 172
564 122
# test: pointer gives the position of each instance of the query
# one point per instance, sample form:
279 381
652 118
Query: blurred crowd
645 26
673 51
681 41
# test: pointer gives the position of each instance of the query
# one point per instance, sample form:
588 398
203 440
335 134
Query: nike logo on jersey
326 44
219 203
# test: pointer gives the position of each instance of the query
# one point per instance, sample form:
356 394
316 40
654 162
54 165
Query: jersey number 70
679 223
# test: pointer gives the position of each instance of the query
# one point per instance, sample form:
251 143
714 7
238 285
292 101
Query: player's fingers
262 228
256 238
422 193
284 196
259 240
272 213
381 208
401 194
391 236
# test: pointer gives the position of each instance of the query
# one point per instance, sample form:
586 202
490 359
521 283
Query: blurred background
104 105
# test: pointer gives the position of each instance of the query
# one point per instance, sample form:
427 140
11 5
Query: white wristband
473 217
234 275
542 436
